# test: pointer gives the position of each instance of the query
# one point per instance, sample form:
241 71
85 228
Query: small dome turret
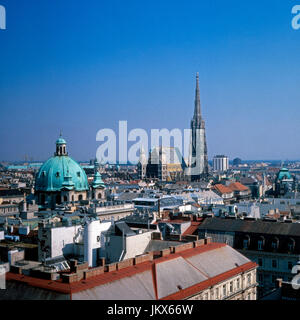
61 147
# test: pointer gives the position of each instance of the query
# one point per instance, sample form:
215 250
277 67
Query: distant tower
98 186
142 164
198 161
220 163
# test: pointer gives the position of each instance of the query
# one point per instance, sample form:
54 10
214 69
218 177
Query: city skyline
149 152
108 65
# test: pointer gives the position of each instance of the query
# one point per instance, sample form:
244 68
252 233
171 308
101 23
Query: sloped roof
222 189
158 245
175 276
256 226
192 228
237 186
122 228
247 180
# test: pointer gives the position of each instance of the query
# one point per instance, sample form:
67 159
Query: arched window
261 243
65 198
80 197
275 243
99 196
246 242
291 245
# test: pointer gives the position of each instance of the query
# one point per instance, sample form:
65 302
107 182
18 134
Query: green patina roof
61 172
284 174
98 182
60 141
68 182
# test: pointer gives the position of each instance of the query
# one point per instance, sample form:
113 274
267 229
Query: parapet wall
80 272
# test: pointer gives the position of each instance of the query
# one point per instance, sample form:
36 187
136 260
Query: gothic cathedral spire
198 149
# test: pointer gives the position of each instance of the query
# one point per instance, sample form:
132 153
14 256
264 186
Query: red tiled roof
237 186
222 189
108 277
284 213
134 182
193 228
57 286
274 215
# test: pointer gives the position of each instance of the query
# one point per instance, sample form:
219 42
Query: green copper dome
60 141
284 174
61 172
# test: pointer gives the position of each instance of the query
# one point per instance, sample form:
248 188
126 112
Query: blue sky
83 66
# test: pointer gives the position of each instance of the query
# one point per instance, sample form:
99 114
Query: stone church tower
198 161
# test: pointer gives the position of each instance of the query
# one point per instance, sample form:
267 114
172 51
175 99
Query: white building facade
220 163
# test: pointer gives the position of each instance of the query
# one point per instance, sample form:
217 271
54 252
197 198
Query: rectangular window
260 245
291 247
290 265
238 284
274 263
224 290
274 279
260 262
249 278
260 278
231 287
245 244
217 293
